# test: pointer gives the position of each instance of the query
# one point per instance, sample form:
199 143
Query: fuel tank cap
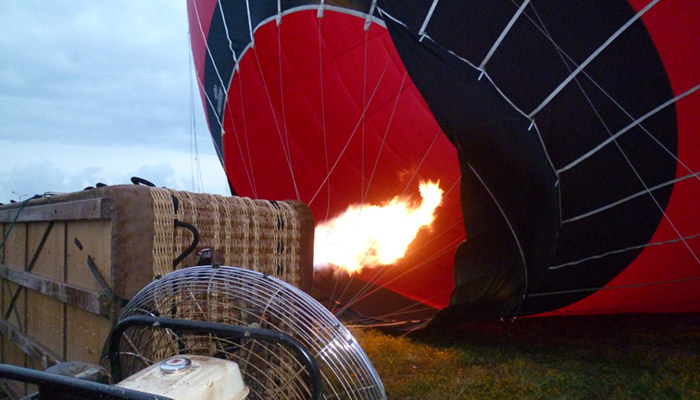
175 365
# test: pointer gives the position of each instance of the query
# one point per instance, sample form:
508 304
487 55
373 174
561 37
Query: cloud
93 72
94 91
68 168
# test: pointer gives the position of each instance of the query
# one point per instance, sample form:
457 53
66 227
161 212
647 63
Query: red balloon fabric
355 102
320 109
665 277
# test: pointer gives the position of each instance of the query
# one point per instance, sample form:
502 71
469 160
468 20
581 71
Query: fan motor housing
190 377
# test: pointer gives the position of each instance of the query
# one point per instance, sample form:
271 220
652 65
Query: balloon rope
646 190
590 58
283 108
352 135
510 224
285 149
364 291
384 137
619 251
216 111
632 285
437 135
220 151
246 161
426 21
324 130
211 58
363 191
566 61
250 20
624 130
641 179
367 290
228 35
201 84
663 211
370 14
503 34
279 12
405 190
366 103
195 165
629 198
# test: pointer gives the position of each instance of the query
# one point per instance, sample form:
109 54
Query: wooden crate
68 260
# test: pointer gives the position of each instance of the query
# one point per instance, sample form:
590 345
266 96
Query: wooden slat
87 209
13 389
31 348
45 313
15 254
86 334
93 302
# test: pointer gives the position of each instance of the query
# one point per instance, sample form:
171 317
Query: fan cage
245 298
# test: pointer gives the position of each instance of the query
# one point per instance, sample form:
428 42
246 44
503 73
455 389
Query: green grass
603 357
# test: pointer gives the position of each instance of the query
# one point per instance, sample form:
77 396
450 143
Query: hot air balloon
563 134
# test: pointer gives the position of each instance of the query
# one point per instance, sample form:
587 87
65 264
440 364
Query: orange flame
370 235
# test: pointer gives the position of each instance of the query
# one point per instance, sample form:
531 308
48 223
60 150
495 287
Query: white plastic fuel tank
189 377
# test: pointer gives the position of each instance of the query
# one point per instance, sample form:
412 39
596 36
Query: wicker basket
68 260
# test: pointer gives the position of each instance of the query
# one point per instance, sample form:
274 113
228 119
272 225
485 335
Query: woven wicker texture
259 235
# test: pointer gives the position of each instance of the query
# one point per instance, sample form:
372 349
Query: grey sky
99 91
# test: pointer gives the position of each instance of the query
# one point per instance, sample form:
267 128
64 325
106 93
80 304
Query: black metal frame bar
54 386
228 331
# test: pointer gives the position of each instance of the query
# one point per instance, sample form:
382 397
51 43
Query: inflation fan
219 332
